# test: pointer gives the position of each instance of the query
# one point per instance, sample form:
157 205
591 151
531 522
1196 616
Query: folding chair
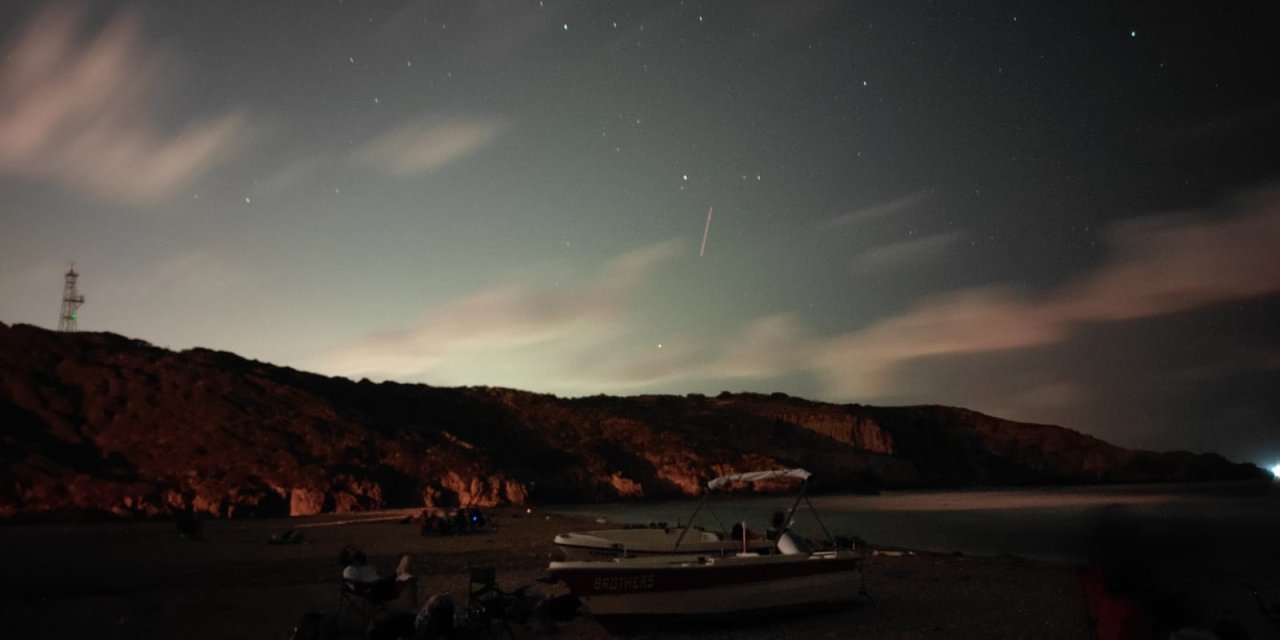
366 599
488 605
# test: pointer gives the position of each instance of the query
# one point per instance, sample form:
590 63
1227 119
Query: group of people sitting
457 521
398 615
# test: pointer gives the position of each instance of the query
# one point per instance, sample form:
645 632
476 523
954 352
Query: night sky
1055 212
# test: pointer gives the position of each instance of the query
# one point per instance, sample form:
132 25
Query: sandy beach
142 580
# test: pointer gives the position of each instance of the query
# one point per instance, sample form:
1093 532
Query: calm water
1199 546
1232 526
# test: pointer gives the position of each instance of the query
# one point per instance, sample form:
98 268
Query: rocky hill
99 423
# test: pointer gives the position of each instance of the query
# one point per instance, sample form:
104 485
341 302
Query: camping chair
488 605
366 599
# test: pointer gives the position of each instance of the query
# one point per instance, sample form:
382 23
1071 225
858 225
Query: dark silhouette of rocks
97 423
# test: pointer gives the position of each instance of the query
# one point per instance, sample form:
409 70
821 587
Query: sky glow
1043 217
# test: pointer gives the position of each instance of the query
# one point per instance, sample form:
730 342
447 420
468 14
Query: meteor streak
705 231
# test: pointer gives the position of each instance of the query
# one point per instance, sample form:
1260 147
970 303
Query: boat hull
692 588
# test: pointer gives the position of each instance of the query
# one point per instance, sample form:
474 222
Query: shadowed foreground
141 580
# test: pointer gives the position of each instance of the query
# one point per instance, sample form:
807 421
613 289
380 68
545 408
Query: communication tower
71 301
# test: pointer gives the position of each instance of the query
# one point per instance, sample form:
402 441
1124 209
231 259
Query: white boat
655 540
659 539
625 592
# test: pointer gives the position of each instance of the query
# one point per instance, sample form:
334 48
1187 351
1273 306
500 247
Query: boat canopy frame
757 476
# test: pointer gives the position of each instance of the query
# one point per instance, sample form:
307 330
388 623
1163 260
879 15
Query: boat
628 592
656 539
660 539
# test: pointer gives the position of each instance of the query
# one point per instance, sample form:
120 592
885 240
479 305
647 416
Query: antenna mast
71 301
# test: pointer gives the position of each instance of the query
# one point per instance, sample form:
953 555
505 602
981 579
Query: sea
1205 551
1232 529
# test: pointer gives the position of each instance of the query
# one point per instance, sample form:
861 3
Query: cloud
80 112
1159 265
507 324
590 337
905 252
197 272
766 347
427 144
878 211
1170 264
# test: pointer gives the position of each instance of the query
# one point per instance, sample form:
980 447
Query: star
247 200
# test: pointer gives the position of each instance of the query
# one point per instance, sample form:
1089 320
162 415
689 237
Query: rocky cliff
100 423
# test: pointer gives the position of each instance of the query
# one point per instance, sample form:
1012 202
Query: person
435 619
777 525
741 533
357 567
460 523
400 586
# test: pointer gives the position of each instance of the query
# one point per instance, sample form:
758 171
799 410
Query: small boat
627 592
658 539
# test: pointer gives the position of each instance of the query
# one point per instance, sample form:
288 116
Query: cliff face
101 423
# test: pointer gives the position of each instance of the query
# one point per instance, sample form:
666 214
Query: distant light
566 26
1275 470
1133 34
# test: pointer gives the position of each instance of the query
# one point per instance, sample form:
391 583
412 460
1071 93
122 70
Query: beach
143 580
